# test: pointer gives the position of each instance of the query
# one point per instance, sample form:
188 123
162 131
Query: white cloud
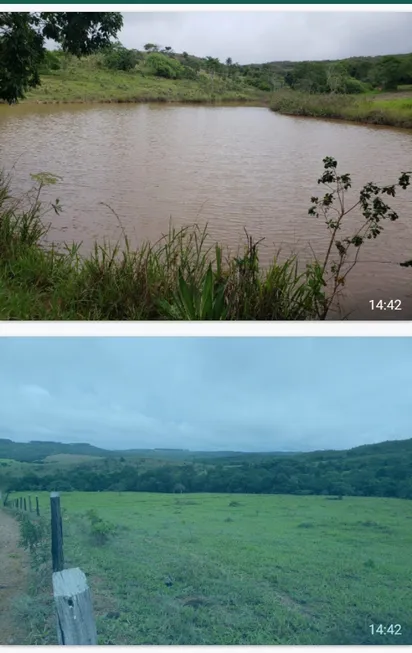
256 37
34 391
256 394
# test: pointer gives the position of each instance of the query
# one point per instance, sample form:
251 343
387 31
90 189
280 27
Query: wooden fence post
21 503
37 507
75 619
30 506
25 504
56 532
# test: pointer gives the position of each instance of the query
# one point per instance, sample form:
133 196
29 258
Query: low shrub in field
100 530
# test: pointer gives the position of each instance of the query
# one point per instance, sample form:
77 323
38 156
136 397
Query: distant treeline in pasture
379 470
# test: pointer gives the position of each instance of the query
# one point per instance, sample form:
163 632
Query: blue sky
247 394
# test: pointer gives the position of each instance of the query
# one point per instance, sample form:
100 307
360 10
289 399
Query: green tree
405 72
212 64
389 73
120 58
335 77
163 66
151 47
308 76
22 38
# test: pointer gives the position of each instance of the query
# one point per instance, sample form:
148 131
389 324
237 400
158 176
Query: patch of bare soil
14 567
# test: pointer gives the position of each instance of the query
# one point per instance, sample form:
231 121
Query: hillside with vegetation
117 74
91 65
379 470
374 90
158 73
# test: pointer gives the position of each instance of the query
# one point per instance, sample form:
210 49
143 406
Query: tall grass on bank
181 276
396 112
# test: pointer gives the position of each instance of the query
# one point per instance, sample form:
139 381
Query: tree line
372 471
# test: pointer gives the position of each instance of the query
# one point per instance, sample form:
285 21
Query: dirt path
13 578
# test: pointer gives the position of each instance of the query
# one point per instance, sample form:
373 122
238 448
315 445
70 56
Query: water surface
230 167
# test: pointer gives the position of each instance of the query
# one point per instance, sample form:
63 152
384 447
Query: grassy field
377 109
239 569
83 81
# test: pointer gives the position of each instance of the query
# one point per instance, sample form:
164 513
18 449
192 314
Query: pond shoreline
363 110
372 120
206 103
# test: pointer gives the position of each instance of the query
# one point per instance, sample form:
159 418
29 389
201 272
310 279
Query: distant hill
38 450
377 470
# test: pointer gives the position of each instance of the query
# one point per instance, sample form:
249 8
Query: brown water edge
232 167
148 100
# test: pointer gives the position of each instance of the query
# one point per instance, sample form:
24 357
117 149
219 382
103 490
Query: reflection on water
232 167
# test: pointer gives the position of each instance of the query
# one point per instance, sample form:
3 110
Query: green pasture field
243 569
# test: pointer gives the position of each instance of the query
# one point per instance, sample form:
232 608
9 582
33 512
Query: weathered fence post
37 507
30 506
25 504
56 532
21 503
75 619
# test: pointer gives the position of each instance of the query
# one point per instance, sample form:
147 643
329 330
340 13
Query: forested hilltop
379 470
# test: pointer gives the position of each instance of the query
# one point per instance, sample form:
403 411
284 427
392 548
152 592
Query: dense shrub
352 85
120 58
52 61
163 66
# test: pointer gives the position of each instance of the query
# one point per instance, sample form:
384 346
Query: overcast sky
256 37
206 393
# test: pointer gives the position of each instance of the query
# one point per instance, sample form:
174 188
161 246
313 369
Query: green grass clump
203 577
180 277
372 109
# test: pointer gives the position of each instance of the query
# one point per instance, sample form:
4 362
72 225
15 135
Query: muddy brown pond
230 167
